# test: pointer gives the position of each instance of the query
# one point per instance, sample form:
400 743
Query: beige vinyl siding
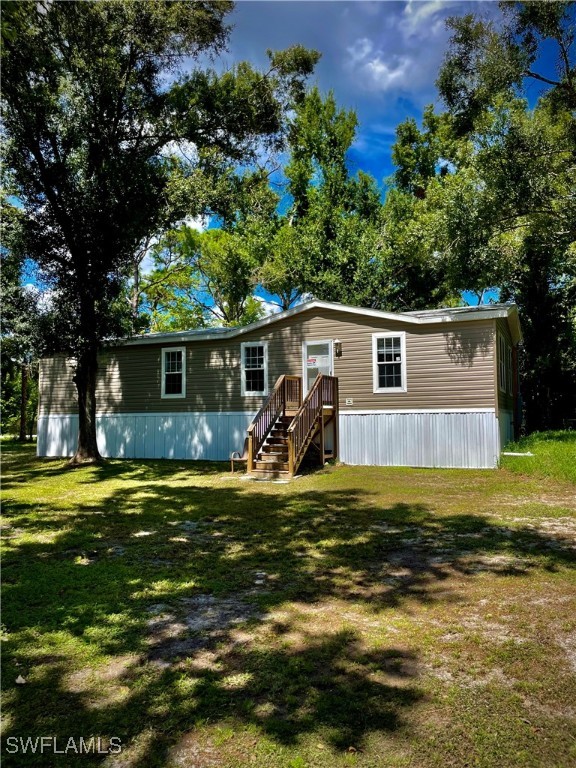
57 392
449 365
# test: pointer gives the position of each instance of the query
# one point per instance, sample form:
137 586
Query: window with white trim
509 369
502 363
173 372
254 370
389 362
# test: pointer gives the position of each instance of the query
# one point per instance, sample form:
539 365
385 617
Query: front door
317 358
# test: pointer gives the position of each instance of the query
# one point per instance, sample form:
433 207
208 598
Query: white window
509 369
502 363
173 372
389 362
254 367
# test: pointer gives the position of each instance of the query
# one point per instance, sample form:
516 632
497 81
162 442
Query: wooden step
275 450
272 466
278 474
277 440
272 456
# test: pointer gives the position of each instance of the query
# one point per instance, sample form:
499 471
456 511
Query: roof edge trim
509 311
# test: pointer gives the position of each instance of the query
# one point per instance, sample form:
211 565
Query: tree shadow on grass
188 586
21 465
331 686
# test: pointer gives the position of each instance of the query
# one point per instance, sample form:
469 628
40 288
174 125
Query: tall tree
522 181
440 212
207 278
200 279
21 329
415 272
324 242
485 62
89 120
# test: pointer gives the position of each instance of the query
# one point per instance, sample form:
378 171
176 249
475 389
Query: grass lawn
554 455
359 616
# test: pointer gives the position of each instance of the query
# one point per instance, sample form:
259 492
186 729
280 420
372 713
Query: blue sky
380 58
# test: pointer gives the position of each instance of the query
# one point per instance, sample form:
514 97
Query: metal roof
414 317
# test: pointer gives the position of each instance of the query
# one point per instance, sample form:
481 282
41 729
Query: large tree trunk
85 380
23 401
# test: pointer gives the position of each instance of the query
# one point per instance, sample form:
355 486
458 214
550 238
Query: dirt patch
568 645
550 500
103 686
496 564
191 752
206 613
458 677
194 624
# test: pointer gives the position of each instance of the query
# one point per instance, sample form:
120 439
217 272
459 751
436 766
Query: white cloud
268 306
417 15
44 298
199 223
185 150
402 54
376 70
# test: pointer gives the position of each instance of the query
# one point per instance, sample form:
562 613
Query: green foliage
11 394
318 138
414 273
200 279
23 331
226 270
416 153
554 455
94 100
484 194
283 246
524 210
368 571
209 278
486 62
325 244
482 64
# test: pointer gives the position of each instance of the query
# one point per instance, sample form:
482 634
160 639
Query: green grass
554 455
359 616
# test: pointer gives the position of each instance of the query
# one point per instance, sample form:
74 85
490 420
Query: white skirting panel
416 439
451 439
209 436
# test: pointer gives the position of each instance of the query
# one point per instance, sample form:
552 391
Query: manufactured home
432 388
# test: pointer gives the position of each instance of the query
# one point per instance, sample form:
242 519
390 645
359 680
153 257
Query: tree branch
536 76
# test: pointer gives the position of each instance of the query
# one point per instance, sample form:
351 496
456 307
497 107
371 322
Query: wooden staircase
287 426
273 455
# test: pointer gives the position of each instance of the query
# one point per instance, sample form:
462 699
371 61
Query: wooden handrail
293 392
324 392
287 390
